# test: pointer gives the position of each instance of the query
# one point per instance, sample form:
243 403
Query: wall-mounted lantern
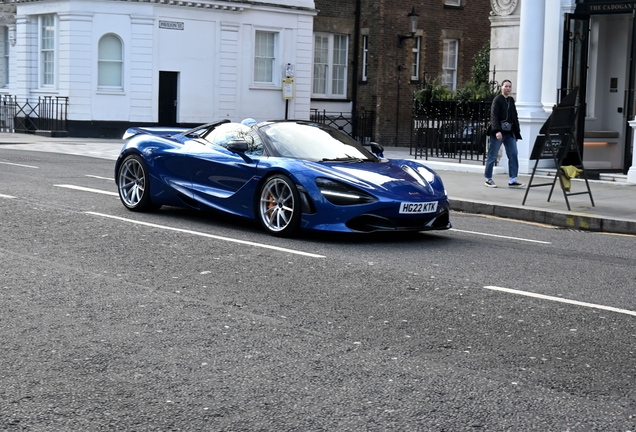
413 18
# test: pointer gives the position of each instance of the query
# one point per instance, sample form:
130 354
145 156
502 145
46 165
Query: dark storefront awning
594 7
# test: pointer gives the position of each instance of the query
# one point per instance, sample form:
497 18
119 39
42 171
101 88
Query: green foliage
470 92
481 65
476 92
478 89
433 90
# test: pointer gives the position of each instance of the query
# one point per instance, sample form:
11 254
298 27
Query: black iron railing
44 114
450 129
358 125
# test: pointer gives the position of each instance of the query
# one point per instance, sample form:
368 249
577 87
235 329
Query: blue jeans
510 144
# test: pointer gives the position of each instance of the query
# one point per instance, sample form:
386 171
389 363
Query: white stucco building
547 47
150 61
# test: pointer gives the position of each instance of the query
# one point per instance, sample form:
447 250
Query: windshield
202 130
226 133
314 142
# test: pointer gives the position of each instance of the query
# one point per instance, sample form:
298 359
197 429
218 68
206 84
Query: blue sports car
288 175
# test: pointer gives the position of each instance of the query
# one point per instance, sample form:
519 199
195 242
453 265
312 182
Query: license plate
415 208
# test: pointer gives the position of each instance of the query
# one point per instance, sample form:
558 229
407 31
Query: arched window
110 62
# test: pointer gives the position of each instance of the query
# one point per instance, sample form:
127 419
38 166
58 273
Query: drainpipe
397 108
354 80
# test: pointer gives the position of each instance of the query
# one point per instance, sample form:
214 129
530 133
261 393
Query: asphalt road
177 320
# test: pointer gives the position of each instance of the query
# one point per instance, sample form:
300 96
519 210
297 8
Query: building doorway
168 98
574 73
598 58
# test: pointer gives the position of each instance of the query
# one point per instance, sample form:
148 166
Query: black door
574 72
168 82
629 111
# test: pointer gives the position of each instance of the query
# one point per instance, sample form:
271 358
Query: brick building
380 74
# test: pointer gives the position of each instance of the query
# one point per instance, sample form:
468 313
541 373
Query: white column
530 79
631 174
553 45
25 65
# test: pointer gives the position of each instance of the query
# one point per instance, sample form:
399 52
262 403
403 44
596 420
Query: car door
221 178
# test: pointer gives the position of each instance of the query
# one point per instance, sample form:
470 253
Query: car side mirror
377 149
237 146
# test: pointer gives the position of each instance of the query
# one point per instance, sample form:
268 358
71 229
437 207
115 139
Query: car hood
397 177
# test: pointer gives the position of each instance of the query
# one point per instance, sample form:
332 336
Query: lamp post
413 18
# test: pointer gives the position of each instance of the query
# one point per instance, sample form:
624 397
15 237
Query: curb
574 221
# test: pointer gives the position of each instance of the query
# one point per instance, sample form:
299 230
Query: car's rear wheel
133 183
279 206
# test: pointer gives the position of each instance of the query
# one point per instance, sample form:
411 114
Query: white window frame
365 58
103 63
417 58
333 70
449 63
453 2
47 51
269 59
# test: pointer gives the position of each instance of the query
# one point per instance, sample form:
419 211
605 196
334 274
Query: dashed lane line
561 300
100 177
85 189
501 236
20 165
202 234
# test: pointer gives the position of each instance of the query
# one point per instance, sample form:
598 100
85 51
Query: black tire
133 183
278 206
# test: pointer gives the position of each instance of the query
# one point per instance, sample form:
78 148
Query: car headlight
342 194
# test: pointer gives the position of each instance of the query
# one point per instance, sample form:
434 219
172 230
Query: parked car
288 175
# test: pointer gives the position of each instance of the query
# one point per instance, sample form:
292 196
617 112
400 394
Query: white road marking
100 177
562 300
197 233
500 236
6 196
20 165
85 189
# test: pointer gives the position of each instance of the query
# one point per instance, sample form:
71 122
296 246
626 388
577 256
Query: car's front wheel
279 206
133 183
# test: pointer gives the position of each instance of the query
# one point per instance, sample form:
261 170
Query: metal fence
44 114
358 125
450 129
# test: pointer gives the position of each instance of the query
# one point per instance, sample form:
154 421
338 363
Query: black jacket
503 108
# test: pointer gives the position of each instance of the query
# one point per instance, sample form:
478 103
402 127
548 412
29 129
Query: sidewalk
614 210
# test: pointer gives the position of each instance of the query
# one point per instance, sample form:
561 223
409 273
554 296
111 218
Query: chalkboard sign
558 128
556 140
552 148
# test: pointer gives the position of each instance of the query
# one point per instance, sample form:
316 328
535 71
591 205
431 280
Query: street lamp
413 17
